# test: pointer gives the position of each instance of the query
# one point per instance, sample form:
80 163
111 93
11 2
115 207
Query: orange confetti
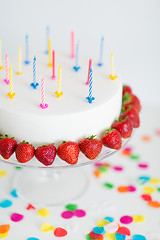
4 228
154 204
97 173
106 165
146 138
123 189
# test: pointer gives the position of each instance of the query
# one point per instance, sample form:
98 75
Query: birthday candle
53 65
6 80
50 53
101 53
58 92
47 36
43 105
1 66
34 84
11 94
90 98
89 67
27 50
77 67
19 61
72 45
112 76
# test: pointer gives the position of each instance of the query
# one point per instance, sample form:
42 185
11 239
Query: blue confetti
98 230
138 237
14 193
5 203
120 236
145 178
110 219
33 238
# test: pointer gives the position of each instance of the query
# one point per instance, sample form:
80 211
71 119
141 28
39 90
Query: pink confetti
67 214
131 188
118 168
79 213
16 217
126 219
143 165
128 149
158 132
98 164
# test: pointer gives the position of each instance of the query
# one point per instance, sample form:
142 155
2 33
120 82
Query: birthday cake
67 118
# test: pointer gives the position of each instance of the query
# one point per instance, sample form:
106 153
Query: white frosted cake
70 117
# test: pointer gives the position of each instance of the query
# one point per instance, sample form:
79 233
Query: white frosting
69 117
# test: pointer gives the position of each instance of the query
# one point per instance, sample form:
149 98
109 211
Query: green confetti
135 157
88 237
103 169
158 189
71 207
18 167
108 185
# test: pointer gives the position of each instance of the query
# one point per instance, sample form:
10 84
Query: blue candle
101 53
90 98
27 50
34 84
47 36
77 67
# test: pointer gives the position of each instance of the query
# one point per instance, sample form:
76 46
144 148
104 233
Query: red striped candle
72 44
53 65
89 67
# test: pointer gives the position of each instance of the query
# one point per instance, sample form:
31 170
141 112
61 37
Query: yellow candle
11 94
112 76
58 92
19 61
49 53
1 66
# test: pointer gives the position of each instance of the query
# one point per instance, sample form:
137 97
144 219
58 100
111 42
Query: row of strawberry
90 147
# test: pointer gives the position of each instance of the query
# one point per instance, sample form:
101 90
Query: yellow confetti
149 190
154 180
3 235
3 173
138 218
43 212
46 227
102 222
110 236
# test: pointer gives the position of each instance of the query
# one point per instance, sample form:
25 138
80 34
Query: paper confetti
33 238
119 236
43 212
5 203
71 207
138 237
126 219
124 231
60 232
108 185
4 228
30 206
79 213
138 218
102 222
143 165
46 227
3 173
149 190
99 230
67 214
14 193
3 235
110 236
111 227
16 217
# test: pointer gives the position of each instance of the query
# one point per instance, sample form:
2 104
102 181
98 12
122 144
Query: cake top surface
27 99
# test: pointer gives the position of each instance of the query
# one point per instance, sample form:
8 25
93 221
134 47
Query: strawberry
46 154
127 89
130 99
90 147
124 126
68 151
133 115
7 147
112 139
24 152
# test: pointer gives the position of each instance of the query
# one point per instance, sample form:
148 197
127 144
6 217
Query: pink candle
43 105
7 70
89 67
53 65
72 45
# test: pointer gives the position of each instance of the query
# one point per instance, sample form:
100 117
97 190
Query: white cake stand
56 184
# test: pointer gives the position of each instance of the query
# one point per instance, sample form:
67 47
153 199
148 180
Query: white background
130 29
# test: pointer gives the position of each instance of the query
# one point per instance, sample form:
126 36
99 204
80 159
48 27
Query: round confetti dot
123 189
14 193
131 188
124 231
4 228
5 203
96 236
126 219
46 227
110 219
3 173
138 218
154 180
146 197
60 232
158 189
43 212
118 168
67 214
102 222
3 235
138 237
97 173
120 236
154 204
71 207
110 236
33 238
16 217
144 179
108 185
99 230
149 190
111 227
135 157
79 213
143 165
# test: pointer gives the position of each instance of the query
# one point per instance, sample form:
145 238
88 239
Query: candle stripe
43 105
101 53
77 67
27 49
72 45
19 61
10 80
6 80
59 79
1 67
112 76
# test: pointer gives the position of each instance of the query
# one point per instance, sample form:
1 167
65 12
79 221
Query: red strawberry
112 139
24 152
90 147
7 147
130 99
127 89
46 154
133 115
124 126
68 151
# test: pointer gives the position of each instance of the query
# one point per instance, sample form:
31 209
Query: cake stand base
50 187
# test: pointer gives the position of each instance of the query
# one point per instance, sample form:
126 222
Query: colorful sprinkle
3 173
67 214
110 236
149 190
43 212
138 218
146 138
154 180
110 219
96 236
111 227
118 168
102 222
122 189
119 236
4 228
30 206
14 193
71 207
124 231
131 188
3 235
5 203
16 217
33 238
108 185
154 204
135 157
60 232
143 165
98 230
146 197
46 227
138 237
126 219
79 213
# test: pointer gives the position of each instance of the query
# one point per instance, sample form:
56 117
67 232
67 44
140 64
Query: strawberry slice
68 152
112 139
46 154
